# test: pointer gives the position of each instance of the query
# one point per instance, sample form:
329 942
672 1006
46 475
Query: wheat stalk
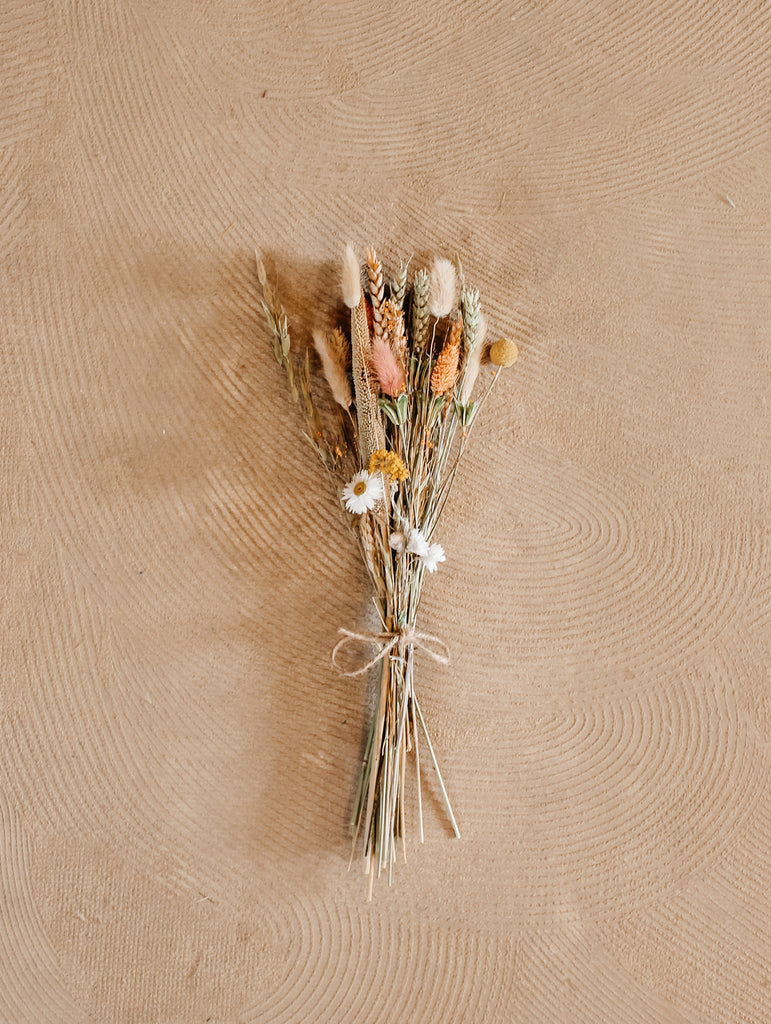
376 292
399 287
469 304
420 290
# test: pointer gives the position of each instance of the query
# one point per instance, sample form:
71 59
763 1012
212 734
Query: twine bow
385 642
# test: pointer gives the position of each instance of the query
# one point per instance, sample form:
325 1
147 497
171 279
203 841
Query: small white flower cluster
363 492
414 543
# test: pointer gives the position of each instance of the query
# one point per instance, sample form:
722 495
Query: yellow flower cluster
383 461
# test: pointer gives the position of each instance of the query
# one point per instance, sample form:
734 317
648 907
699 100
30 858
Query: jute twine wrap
385 642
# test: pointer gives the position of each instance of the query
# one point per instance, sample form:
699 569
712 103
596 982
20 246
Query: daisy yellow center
359 488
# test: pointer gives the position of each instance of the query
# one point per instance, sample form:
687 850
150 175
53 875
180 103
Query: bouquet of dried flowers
402 378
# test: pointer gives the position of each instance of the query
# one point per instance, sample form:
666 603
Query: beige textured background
176 755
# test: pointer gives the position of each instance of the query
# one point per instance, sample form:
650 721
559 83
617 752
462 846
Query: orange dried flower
445 370
393 325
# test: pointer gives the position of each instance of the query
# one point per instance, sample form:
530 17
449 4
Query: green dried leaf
402 403
389 408
437 403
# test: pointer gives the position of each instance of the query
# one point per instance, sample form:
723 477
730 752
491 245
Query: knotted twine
385 642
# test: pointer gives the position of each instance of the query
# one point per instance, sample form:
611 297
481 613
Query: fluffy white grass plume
474 361
334 370
443 292
351 278
482 331
386 367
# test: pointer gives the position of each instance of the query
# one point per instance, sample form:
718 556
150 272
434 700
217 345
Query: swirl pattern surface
177 754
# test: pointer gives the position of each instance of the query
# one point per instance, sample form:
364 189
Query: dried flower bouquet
402 381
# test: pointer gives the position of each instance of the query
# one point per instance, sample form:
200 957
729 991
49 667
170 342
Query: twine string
385 642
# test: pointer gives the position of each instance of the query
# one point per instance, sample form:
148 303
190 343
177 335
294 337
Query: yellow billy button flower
503 352
389 463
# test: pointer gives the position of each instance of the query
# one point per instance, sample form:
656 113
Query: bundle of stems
402 380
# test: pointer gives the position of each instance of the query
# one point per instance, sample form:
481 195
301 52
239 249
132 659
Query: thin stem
447 804
411 694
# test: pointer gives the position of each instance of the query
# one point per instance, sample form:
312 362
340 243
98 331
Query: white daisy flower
417 545
433 556
363 492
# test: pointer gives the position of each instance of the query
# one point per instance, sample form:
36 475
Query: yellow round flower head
383 461
503 352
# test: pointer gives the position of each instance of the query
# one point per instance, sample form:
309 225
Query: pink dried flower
387 368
